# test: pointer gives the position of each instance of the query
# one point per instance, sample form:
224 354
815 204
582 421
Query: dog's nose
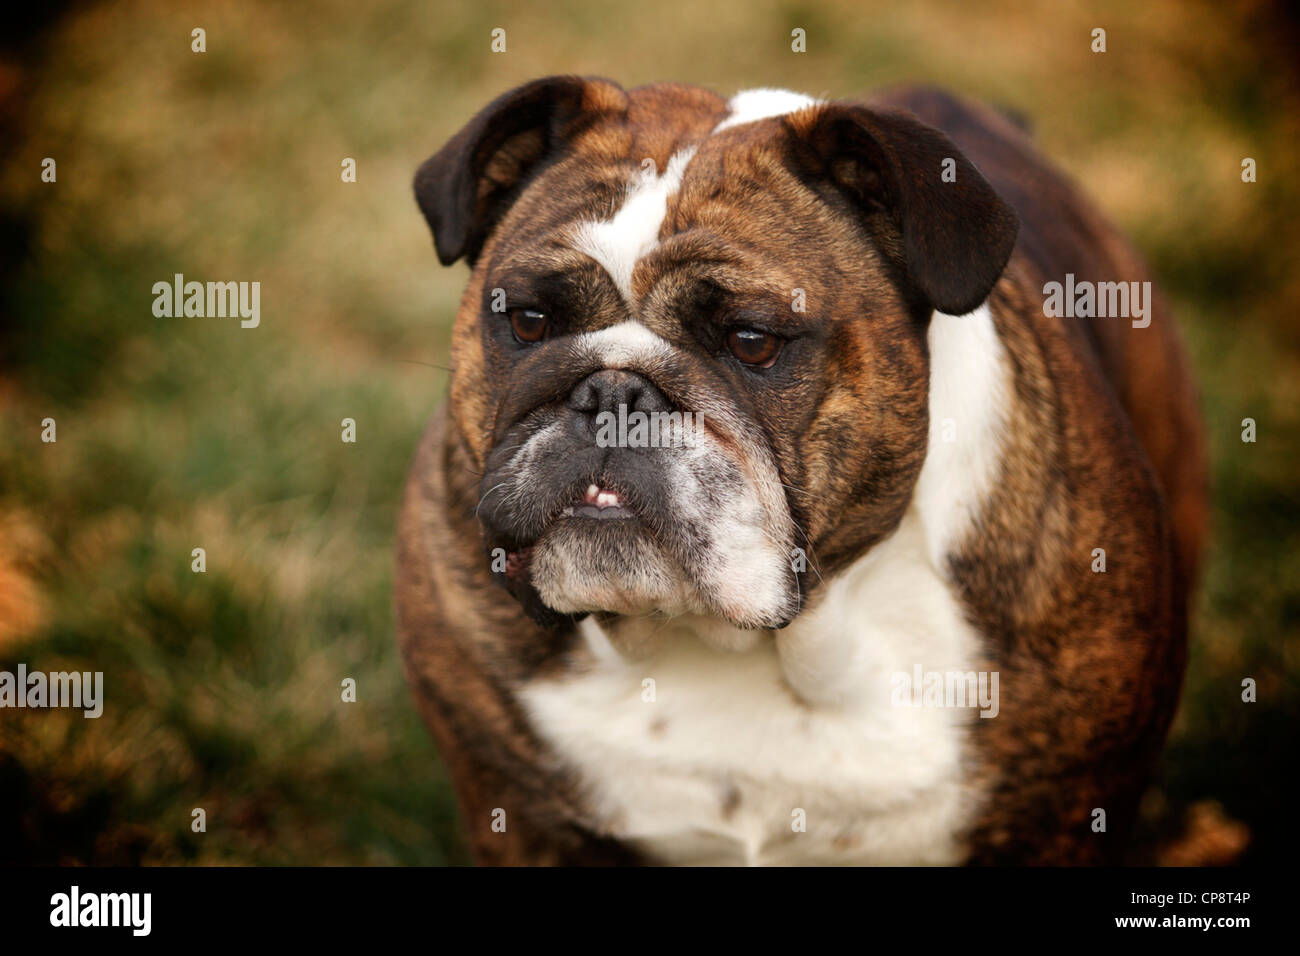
606 390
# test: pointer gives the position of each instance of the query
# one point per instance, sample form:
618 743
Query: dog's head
691 362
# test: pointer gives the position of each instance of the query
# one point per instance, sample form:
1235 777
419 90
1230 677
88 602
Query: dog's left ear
466 187
956 232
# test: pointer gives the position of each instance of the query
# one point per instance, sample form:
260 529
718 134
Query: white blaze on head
618 244
626 345
749 106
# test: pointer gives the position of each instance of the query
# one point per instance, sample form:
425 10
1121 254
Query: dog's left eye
528 325
753 347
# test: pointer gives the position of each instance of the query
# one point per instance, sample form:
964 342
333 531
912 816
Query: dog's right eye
528 325
754 347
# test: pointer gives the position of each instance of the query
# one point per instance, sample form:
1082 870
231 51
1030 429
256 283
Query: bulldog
904 479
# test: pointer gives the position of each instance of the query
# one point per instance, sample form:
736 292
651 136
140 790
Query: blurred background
223 688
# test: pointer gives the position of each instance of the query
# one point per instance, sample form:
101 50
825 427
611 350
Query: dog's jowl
912 590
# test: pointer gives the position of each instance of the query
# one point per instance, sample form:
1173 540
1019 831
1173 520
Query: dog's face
746 295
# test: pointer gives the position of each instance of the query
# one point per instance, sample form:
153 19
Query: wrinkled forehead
685 180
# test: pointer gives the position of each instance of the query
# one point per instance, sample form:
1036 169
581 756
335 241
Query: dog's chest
698 755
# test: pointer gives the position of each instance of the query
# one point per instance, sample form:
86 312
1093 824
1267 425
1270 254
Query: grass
224 687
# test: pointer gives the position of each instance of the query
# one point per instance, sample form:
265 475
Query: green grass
224 687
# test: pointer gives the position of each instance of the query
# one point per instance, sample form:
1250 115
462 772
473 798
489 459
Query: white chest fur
725 763
795 751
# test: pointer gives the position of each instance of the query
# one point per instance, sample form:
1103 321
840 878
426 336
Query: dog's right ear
466 187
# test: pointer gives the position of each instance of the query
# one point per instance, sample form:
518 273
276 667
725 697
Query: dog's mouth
599 502
602 504
628 531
